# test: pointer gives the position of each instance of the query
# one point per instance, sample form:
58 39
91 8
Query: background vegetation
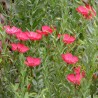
49 79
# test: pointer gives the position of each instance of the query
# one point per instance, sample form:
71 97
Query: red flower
87 11
68 39
69 58
77 70
14 47
19 47
32 62
59 35
47 29
34 36
12 30
76 77
22 36
28 86
41 32
22 48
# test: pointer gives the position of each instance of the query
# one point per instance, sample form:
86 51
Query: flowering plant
49 49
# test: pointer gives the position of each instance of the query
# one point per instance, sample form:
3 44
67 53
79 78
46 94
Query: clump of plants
49 49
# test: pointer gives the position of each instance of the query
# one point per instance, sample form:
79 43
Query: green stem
91 95
31 72
75 93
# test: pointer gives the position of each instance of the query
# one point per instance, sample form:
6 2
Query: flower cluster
30 35
87 11
24 36
68 58
77 76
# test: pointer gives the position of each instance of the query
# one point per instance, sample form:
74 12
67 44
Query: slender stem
31 72
91 95
76 96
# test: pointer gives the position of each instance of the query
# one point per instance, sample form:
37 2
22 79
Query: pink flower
59 35
32 62
47 29
68 39
19 47
12 30
22 36
69 58
76 77
41 32
14 47
34 36
22 48
77 70
87 11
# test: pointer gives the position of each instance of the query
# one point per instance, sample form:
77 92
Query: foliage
48 80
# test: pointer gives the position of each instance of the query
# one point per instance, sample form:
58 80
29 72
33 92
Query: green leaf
0 60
